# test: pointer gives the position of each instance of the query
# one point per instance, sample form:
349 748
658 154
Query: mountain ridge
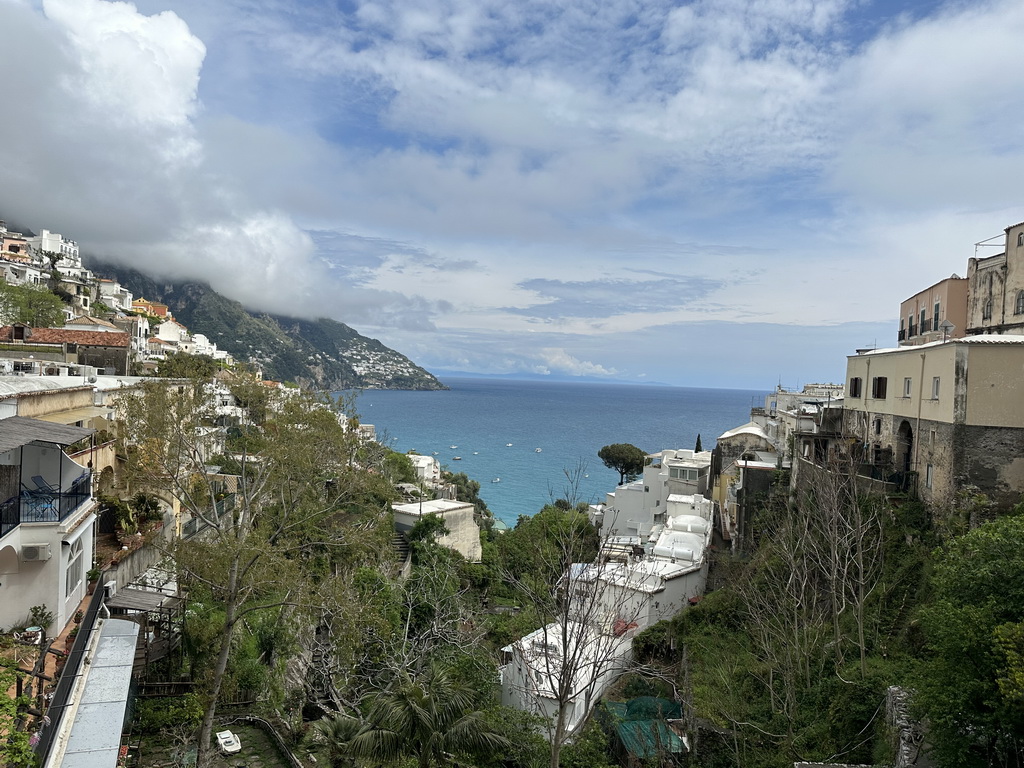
323 353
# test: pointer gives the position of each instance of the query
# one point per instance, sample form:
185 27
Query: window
878 426
931 437
935 317
924 320
928 476
855 384
1020 239
878 386
986 309
1018 307
908 384
73 575
935 388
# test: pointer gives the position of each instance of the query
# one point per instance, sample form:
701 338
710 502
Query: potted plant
93 576
70 641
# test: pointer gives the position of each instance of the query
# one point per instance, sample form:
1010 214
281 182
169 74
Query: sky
723 193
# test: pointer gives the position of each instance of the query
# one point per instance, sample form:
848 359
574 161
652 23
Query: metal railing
38 506
65 686
197 524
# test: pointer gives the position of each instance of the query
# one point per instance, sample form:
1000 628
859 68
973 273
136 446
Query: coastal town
112 477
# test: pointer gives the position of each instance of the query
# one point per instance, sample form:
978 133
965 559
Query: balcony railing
44 506
903 334
912 331
196 524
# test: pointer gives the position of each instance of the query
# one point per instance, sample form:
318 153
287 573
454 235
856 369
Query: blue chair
44 487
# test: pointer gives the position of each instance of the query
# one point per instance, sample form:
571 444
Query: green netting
652 708
648 738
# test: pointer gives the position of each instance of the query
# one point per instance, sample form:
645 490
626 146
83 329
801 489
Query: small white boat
476 453
508 445
496 480
453 447
536 450
456 458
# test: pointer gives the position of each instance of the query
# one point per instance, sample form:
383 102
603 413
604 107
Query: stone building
996 288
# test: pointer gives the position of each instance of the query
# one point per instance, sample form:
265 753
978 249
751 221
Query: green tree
965 685
14 747
624 458
331 738
33 305
697 448
292 519
179 365
430 717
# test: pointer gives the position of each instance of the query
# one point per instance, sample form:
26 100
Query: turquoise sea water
568 422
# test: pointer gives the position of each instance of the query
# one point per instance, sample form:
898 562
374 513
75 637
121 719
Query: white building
114 295
617 597
463 532
534 673
635 508
428 468
46 521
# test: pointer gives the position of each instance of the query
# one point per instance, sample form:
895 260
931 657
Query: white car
228 743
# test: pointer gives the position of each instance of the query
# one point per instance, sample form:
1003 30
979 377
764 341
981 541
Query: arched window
1018 307
1020 239
986 310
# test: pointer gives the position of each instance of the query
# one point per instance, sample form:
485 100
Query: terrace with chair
39 483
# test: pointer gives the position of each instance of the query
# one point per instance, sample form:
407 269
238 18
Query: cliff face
323 354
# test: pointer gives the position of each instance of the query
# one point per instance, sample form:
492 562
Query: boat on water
453 447
508 445
496 480
456 458
536 450
476 453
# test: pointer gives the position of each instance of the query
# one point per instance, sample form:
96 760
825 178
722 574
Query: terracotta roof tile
64 336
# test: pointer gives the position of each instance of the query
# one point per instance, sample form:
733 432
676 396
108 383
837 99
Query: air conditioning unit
34 553
109 589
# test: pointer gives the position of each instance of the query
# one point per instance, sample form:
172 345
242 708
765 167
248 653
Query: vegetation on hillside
317 353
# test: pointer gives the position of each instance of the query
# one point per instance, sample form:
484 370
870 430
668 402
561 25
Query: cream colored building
923 314
463 532
948 415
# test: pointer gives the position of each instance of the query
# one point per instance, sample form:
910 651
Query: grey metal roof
16 431
95 737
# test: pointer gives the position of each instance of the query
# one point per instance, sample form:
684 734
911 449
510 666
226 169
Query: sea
530 442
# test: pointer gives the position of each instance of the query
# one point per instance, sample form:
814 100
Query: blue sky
714 193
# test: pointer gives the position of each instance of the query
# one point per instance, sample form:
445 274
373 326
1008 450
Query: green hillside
320 353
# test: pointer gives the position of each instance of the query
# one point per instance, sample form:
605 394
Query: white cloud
562 362
527 177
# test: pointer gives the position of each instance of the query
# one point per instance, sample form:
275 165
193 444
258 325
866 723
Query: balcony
903 334
912 331
44 503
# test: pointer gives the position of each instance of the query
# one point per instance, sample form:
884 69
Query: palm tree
429 717
333 735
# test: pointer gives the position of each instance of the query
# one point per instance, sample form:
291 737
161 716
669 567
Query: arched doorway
904 447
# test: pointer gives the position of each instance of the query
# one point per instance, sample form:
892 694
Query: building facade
923 315
996 288
942 417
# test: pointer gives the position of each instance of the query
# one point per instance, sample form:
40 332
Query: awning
16 431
